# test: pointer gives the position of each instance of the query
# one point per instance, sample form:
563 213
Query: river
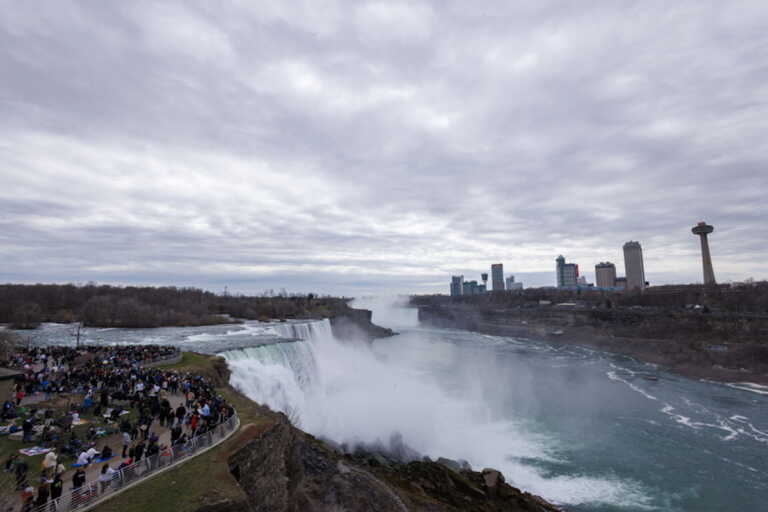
588 430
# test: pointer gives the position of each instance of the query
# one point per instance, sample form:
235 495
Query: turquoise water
588 430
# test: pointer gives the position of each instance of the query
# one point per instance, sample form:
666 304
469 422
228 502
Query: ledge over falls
356 324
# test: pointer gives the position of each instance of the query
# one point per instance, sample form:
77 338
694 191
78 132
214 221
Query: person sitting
83 459
106 452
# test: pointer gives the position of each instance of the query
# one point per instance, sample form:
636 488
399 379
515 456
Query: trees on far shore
26 306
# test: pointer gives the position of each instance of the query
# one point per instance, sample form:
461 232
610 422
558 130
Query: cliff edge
285 469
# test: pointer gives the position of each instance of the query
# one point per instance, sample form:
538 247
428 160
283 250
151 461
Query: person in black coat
78 479
57 487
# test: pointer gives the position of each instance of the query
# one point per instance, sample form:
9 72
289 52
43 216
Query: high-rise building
605 275
497 277
457 285
633 266
567 274
702 229
511 284
470 288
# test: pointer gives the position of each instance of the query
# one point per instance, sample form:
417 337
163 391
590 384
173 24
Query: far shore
642 349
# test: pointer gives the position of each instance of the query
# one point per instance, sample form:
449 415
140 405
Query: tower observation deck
702 229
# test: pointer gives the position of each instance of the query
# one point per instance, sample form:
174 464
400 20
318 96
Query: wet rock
493 479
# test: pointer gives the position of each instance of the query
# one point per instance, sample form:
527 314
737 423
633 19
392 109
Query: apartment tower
497 277
633 266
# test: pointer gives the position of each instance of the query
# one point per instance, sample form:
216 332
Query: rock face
287 470
355 324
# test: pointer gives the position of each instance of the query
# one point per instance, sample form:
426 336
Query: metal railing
95 492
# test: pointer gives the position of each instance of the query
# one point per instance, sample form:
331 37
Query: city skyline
364 147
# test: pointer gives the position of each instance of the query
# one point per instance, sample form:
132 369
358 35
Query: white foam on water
679 418
733 426
350 394
246 329
615 377
749 386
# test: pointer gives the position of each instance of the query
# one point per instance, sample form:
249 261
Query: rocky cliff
356 324
283 469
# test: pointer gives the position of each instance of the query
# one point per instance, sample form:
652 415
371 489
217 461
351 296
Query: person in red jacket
193 423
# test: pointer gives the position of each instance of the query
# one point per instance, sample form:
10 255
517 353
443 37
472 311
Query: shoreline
674 356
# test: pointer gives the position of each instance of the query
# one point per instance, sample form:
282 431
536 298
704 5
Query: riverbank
692 357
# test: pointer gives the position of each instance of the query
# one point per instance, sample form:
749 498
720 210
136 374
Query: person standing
78 479
181 411
105 477
28 499
126 443
21 470
57 487
50 463
43 492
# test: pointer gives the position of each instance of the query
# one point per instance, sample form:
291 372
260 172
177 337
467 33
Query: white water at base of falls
349 393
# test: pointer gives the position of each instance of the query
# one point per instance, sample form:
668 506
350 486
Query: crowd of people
109 382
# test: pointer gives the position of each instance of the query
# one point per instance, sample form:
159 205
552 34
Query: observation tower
702 229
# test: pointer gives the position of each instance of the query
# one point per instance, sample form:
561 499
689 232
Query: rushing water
588 430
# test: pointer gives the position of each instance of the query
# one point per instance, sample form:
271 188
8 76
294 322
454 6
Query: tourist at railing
106 476
57 487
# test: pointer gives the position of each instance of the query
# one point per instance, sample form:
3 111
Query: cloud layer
356 147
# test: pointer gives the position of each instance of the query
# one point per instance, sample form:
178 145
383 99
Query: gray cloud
356 147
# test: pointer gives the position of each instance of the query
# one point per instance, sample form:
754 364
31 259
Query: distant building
567 273
457 286
633 266
497 277
605 275
581 282
470 288
621 283
511 284
481 289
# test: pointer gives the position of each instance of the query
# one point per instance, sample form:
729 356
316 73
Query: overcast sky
358 147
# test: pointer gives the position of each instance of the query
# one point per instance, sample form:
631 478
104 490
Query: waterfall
282 375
